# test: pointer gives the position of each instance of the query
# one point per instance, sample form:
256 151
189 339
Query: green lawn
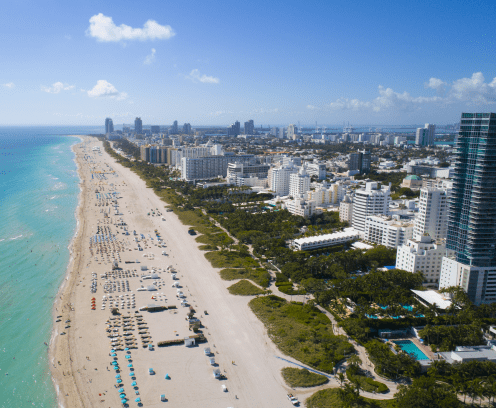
231 259
367 384
299 377
329 399
208 248
245 288
301 331
199 222
260 276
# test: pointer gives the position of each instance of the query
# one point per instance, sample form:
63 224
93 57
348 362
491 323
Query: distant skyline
212 63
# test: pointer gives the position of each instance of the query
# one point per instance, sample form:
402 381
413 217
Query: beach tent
217 373
150 371
162 397
212 361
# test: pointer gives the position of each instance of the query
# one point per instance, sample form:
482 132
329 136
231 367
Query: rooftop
433 297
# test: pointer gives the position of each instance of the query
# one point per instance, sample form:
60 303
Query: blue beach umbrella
129 365
137 399
118 376
116 368
131 374
123 401
167 377
128 357
122 395
133 383
112 351
114 362
121 390
118 381
113 355
126 349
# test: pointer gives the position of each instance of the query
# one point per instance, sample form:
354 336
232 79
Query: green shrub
259 275
245 288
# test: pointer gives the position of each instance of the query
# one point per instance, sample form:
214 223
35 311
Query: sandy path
234 330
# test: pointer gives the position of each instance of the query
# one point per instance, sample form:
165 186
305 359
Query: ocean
39 188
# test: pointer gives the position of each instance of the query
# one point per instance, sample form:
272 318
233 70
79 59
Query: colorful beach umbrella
116 368
122 395
118 381
128 356
123 401
167 377
114 362
113 355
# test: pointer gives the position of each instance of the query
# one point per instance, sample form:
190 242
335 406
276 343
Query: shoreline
64 294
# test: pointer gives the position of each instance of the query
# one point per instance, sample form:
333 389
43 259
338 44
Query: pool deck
425 349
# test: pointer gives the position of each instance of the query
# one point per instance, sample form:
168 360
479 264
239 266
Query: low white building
387 231
424 255
301 207
326 240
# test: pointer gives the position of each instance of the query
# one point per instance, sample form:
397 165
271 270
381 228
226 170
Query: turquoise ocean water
39 189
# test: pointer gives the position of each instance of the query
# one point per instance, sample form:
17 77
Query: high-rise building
187 128
109 125
360 161
299 183
374 199
472 210
292 132
425 135
279 179
249 127
138 126
155 129
432 217
234 129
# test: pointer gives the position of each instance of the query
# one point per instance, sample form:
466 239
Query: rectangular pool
409 347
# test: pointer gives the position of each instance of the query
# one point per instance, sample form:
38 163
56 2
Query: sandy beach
81 362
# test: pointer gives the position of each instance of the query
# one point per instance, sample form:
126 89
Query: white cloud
104 89
57 87
194 75
9 85
474 90
103 29
437 84
312 107
150 58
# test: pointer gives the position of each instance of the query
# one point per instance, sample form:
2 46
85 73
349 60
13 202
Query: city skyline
328 63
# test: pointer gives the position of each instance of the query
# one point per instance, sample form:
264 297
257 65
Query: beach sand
81 364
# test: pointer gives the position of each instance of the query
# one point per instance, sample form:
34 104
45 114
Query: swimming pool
409 347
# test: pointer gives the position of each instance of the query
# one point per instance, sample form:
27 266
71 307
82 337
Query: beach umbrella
118 376
129 365
167 377
114 355
116 368
126 349
133 383
122 395
121 389
131 374
123 401
112 351
137 399
118 381
128 357
114 362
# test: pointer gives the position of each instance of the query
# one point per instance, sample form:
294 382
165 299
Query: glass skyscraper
472 205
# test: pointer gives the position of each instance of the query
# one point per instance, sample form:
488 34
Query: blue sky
277 62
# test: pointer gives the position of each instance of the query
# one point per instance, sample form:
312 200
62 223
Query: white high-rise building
424 255
432 217
371 200
425 135
291 133
316 169
279 179
299 183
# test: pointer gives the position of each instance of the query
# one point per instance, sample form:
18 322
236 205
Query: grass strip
245 288
300 377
